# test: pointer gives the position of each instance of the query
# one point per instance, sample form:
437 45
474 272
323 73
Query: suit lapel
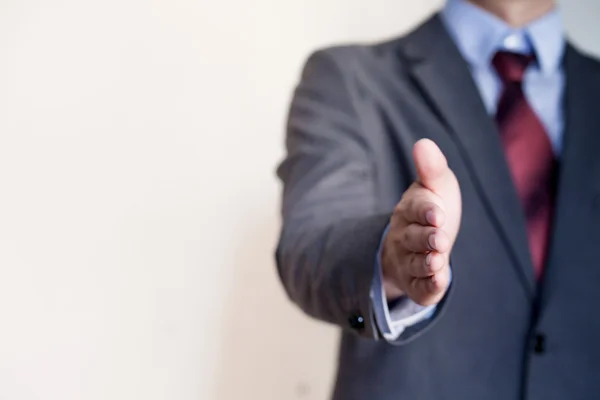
443 76
578 199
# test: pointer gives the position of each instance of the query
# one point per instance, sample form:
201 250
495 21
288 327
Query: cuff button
357 322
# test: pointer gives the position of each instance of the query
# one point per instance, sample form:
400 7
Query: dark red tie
528 152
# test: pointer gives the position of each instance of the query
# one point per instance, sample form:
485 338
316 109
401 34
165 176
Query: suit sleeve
331 231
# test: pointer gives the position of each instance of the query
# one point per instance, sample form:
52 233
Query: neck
517 13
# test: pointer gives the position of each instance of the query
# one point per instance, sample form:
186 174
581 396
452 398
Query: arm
331 231
331 228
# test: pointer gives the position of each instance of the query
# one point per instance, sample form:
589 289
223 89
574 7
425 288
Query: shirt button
539 345
512 42
357 322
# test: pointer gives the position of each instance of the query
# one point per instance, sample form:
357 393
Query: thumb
431 164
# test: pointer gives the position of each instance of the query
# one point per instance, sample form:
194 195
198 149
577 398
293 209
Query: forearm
328 271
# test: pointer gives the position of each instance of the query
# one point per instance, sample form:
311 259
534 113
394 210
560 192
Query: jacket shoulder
350 56
593 60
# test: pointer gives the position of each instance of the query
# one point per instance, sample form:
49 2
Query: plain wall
138 201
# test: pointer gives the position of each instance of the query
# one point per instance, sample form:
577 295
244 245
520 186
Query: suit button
539 346
357 322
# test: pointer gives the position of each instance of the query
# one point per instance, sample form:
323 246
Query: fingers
423 228
432 167
426 265
430 290
421 239
424 208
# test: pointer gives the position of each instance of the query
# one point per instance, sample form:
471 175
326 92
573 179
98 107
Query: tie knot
511 67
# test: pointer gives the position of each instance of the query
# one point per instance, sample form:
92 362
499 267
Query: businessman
442 206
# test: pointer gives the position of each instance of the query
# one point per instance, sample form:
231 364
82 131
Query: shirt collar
480 34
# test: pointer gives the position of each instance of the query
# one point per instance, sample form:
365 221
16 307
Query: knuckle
403 279
425 202
414 264
406 237
410 203
418 287
425 238
431 267
427 268
402 207
399 208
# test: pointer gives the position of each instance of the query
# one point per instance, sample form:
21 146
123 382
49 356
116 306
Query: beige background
138 203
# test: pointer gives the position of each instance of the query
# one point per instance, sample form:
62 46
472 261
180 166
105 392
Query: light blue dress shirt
479 35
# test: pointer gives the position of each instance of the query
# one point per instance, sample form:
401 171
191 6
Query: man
441 205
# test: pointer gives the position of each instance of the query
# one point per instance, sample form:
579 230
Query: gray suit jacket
498 334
